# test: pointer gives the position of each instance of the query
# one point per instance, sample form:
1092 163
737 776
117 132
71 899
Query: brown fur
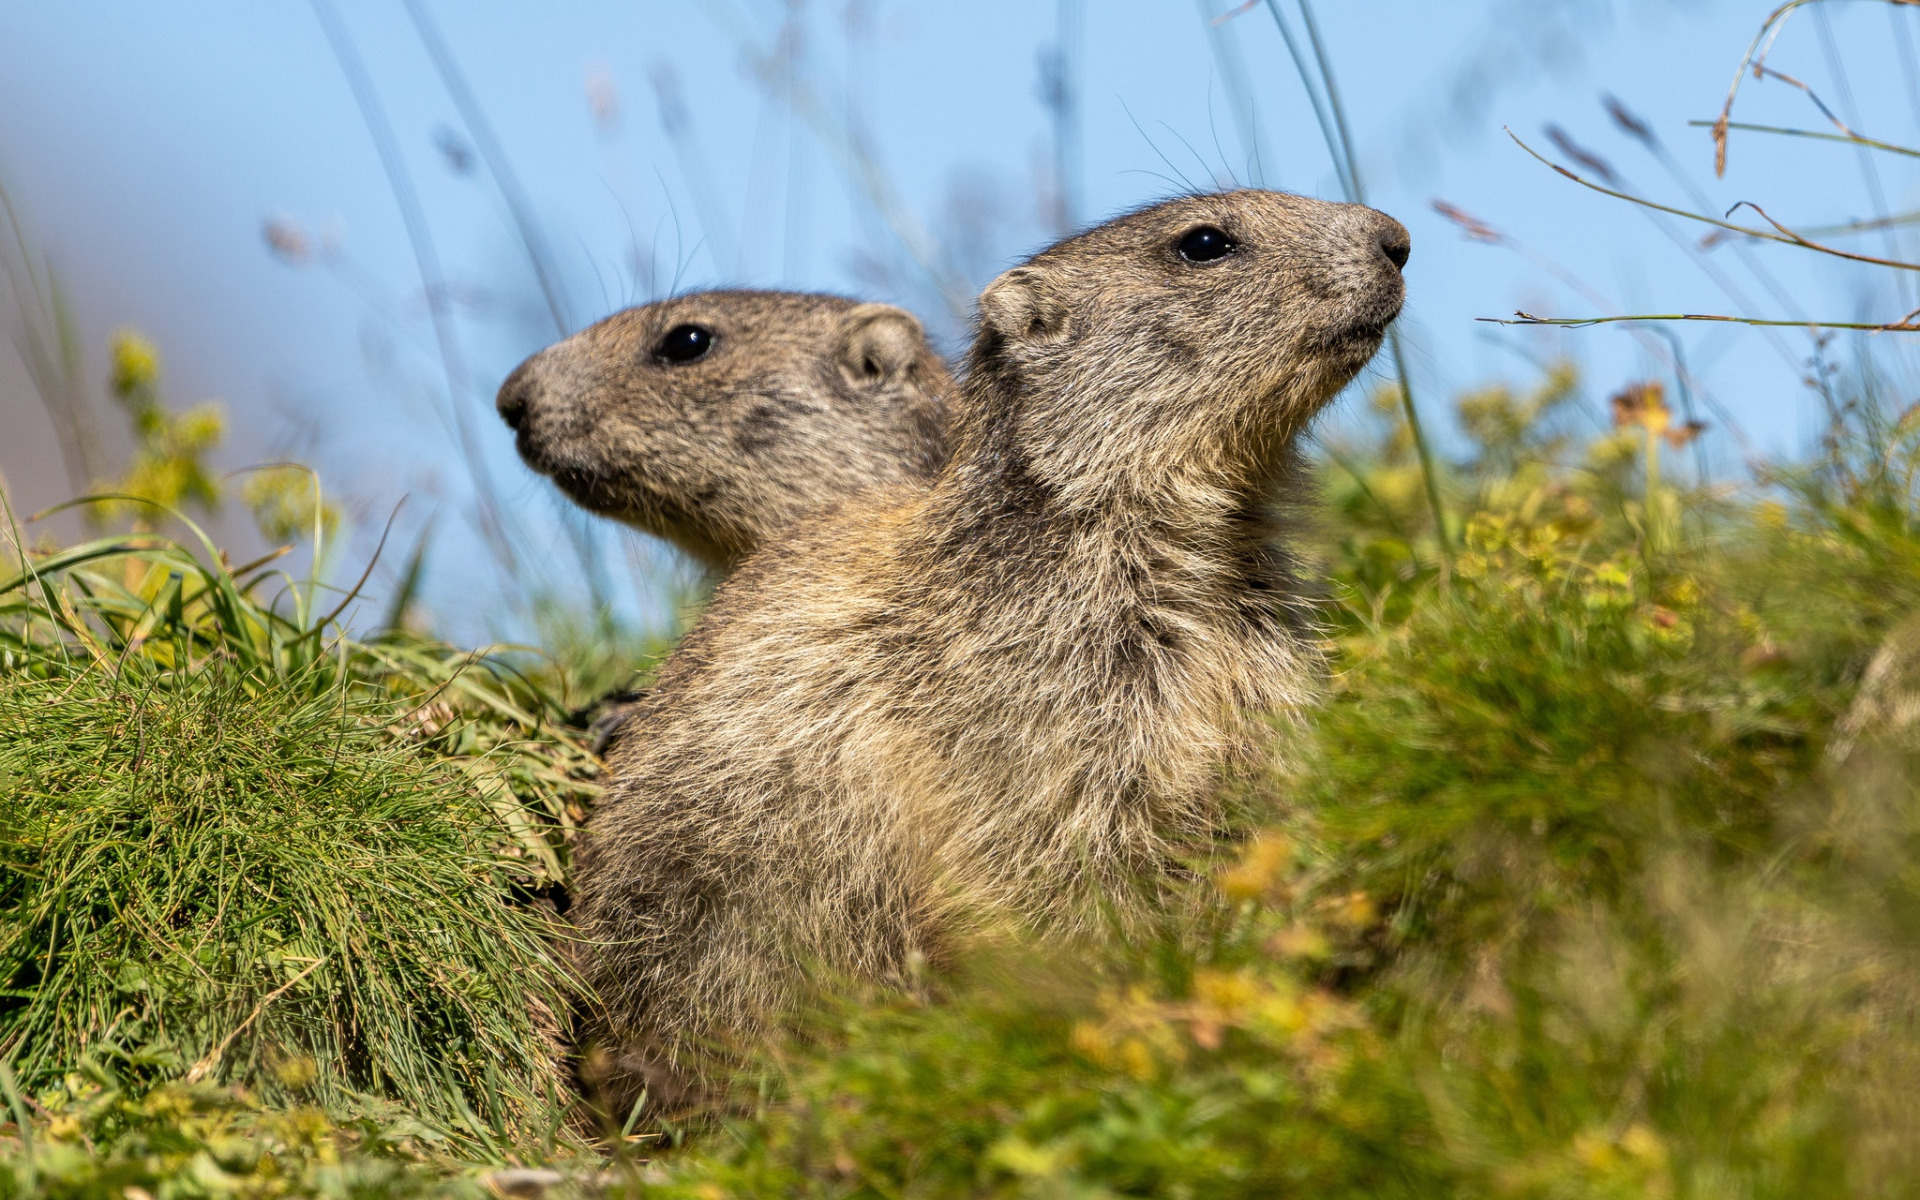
1012 691
803 401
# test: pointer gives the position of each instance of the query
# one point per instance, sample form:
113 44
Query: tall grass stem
494 521
1339 139
498 164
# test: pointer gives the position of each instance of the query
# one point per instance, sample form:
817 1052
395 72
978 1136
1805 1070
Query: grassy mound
239 849
249 880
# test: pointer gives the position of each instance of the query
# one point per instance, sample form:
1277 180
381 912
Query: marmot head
1190 338
716 419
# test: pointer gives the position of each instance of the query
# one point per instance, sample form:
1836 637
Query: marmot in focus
1015 689
716 419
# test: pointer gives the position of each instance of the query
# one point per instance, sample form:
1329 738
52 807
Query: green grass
240 848
1597 873
232 880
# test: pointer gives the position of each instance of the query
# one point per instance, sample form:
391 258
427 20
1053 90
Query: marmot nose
1395 244
516 395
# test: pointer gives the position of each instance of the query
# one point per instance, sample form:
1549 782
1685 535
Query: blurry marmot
715 419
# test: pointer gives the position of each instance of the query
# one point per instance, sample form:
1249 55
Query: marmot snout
716 419
1013 691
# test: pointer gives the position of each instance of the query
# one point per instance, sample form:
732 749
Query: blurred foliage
287 504
168 468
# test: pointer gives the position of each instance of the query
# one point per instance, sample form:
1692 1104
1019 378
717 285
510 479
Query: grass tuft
238 847
229 878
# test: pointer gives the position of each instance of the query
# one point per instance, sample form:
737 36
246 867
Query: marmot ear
1021 304
879 343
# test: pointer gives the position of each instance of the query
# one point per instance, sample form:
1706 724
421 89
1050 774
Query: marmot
1011 691
715 419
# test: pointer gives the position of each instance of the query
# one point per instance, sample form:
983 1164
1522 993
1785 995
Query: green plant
235 838
208 874
98 1137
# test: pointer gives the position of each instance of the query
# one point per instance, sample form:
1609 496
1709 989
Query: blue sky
146 144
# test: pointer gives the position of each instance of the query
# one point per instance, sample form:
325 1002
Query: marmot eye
1206 244
684 343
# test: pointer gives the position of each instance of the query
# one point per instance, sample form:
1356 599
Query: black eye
1206 244
684 343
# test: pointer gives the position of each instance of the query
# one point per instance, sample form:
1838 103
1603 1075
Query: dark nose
1395 244
516 396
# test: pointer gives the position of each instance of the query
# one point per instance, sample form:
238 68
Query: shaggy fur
803 401
1002 695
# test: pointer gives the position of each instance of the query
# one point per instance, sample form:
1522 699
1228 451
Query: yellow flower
1260 868
1643 404
1299 940
1356 910
1593 1151
136 363
1090 1041
297 1072
1229 992
200 427
1644 1144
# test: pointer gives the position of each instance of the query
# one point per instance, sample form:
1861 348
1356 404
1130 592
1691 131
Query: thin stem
1652 501
1903 52
1340 460
1327 134
1069 40
1680 378
1356 192
1480 231
1428 474
1845 227
1643 133
1333 102
1852 139
427 259
1722 280
498 164
1785 236
1756 52
1823 25
676 123
854 159
1907 325
1233 75
49 345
